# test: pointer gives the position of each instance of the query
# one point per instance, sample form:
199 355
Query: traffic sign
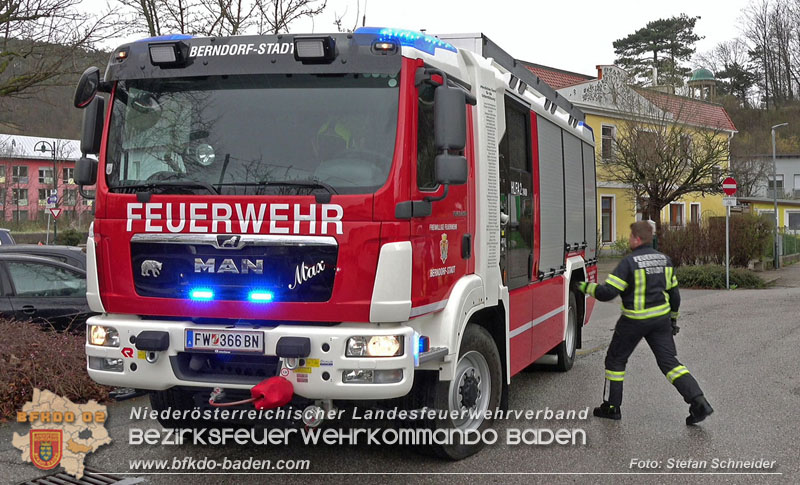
55 212
729 186
53 199
729 202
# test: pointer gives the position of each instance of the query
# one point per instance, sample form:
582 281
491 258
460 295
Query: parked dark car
43 291
71 255
6 239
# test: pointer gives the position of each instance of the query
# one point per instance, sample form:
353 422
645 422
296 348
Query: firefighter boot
608 411
699 410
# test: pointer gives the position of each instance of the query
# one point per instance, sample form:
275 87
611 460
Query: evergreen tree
664 44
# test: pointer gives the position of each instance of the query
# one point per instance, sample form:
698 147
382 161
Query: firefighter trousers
658 334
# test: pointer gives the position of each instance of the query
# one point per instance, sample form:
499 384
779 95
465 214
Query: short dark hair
643 231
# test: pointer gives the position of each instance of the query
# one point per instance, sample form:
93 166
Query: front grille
224 368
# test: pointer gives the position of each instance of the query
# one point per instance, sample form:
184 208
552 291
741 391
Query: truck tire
566 350
173 399
477 386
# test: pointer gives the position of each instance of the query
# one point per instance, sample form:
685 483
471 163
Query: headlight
103 336
375 346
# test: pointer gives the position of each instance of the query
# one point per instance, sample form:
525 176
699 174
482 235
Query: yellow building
610 103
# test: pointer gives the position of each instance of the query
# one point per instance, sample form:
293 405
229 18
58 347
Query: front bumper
172 367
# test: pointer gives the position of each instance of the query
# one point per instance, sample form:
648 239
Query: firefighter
332 139
646 282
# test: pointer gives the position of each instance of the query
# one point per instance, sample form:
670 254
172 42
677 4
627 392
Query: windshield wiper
313 184
149 186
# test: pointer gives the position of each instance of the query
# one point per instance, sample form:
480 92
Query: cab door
442 242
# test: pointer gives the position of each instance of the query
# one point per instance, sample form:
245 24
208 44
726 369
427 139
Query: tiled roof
556 78
19 146
690 110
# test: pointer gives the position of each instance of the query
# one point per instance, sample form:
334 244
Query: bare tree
275 16
341 22
751 174
663 158
41 39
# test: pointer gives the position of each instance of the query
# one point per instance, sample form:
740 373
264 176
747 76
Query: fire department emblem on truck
151 268
443 244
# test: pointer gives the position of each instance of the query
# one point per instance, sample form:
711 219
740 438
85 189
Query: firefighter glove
581 286
675 327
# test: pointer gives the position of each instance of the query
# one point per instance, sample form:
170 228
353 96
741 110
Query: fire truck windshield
249 135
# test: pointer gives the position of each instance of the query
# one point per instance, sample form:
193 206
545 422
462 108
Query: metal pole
55 189
727 248
777 257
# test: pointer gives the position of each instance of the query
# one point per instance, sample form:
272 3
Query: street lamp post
777 262
45 146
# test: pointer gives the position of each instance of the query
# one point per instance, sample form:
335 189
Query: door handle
28 309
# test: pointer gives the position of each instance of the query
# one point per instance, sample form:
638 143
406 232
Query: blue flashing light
423 344
259 296
410 38
165 38
201 294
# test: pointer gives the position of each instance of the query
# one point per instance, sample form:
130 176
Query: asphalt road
741 345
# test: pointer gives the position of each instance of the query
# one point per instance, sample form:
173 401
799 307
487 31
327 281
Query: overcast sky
573 35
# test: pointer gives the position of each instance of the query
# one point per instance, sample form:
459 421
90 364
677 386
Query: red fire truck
382 216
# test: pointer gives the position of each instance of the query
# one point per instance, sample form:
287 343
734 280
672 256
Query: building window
676 214
69 175
694 213
43 194
607 218
45 175
793 220
2 197
775 184
20 216
796 187
20 196
19 174
70 197
607 147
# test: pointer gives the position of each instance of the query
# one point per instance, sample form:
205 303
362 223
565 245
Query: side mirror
86 171
451 169
87 87
93 126
449 118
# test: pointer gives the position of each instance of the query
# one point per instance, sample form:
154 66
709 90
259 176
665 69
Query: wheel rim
470 391
570 336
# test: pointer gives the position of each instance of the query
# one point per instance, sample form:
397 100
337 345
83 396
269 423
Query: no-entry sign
729 186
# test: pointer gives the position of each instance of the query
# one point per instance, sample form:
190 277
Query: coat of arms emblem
46 447
443 248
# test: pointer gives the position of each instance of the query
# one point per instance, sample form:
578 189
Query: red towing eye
267 394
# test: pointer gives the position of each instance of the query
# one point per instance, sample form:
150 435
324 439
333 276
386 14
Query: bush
71 237
712 276
705 244
30 357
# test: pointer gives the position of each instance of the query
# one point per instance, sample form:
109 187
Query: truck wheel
476 388
566 349
173 399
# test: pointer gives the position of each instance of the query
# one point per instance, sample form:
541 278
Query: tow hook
273 392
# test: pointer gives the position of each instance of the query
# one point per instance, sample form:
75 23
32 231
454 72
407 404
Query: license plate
225 340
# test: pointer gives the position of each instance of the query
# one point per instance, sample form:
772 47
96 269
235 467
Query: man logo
46 447
231 242
151 268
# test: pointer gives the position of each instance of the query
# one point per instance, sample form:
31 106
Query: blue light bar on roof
410 38
165 38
